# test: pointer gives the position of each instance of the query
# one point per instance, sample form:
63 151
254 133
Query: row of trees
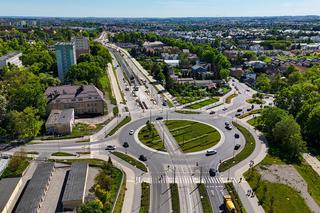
298 109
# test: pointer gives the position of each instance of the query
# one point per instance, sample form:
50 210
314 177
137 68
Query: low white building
60 122
173 63
11 58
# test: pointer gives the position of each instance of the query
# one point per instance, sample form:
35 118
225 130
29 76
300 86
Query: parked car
110 147
159 118
212 172
125 145
142 158
131 132
237 146
211 152
236 135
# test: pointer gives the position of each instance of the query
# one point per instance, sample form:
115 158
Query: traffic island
145 198
193 136
130 160
175 202
149 136
206 205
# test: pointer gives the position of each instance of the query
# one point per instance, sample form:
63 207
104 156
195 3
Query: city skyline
161 9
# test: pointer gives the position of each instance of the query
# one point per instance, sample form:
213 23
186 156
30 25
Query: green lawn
175 203
120 200
170 104
230 97
92 161
312 178
253 112
206 205
269 160
193 136
62 154
145 198
149 136
126 120
246 152
131 160
185 100
79 130
254 122
202 103
16 167
235 198
275 197
188 112
255 101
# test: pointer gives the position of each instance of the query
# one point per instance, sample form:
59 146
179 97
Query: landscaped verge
119 204
17 165
205 201
64 154
130 160
230 97
126 120
145 198
235 198
253 112
187 112
246 151
175 203
149 136
193 136
203 103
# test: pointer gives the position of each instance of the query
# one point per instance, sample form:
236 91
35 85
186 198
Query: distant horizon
159 8
158 17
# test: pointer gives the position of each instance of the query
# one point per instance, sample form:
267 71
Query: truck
228 203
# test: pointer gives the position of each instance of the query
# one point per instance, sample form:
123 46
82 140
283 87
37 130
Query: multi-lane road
173 166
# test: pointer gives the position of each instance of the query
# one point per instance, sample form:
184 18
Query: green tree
270 117
3 108
25 124
312 125
287 137
94 206
263 82
224 73
250 55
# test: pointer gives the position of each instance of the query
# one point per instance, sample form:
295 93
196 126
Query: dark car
159 118
212 113
238 114
249 109
212 172
142 158
110 147
236 135
125 145
237 146
239 110
229 127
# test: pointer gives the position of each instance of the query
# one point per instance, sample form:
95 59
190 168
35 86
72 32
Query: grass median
203 103
130 160
230 97
235 198
64 154
149 136
187 112
175 203
120 199
246 151
253 112
126 120
193 136
145 198
205 201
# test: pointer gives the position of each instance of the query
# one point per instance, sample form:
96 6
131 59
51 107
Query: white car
131 132
211 152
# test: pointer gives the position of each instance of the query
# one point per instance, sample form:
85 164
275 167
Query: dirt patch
287 174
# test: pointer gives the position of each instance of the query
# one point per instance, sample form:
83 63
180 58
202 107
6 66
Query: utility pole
150 115
200 174
174 175
167 115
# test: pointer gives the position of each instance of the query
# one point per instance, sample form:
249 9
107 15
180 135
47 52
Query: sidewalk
313 162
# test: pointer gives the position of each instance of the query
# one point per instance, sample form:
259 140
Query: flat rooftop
9 55
36 188
7 186
76 183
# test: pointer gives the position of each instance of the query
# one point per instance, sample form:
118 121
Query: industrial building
36 189
74 192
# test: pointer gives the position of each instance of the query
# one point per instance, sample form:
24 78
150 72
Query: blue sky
158 8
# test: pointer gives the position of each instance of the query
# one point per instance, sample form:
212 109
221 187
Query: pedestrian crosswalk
181 180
